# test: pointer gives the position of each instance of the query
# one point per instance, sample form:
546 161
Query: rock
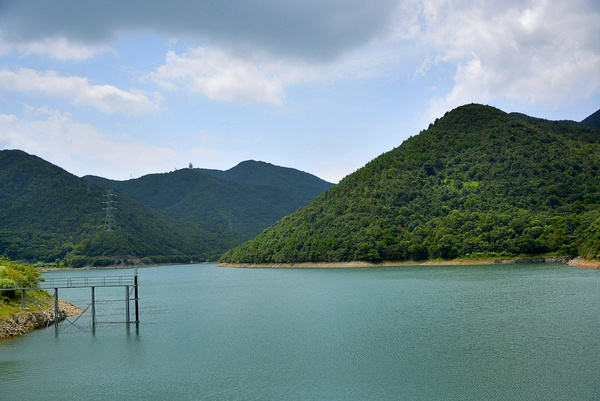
20 323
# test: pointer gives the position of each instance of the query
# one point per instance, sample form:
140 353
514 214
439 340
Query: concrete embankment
23 322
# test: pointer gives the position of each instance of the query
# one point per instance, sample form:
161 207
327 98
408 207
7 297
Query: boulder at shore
23 322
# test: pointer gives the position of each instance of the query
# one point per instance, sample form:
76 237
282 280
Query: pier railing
78 282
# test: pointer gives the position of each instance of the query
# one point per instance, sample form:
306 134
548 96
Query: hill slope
303 186
593 121
477 182
247 198
47 213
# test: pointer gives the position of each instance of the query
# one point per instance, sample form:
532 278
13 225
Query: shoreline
571 261
25 321
578 262
585 263
118 267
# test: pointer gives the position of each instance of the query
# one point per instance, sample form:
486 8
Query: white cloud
61 49
57 138
107 98
219 76
535 52
257 77
538 51
57 48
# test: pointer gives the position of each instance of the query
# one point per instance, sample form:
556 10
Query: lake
491 332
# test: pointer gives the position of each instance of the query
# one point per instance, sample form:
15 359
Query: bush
7 287
77 261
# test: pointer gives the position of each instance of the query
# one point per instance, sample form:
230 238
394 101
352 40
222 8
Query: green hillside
247 198
477 182
47 214
303 186
592 121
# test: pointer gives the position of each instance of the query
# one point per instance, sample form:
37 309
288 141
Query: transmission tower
109 220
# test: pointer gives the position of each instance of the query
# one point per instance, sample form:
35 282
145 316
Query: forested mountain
303 186
247 198
477 182
48 214
592 121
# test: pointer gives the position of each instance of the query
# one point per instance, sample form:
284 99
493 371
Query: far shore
590 264
579 262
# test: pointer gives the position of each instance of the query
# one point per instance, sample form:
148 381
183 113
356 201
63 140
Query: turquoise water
520 332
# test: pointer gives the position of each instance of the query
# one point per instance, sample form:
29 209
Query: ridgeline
245 199
477 183
51 216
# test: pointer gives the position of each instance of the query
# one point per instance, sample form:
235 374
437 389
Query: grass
10 305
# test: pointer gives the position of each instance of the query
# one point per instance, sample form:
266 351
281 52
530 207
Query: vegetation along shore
14 320
579 262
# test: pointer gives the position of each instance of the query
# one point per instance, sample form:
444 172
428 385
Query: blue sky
121 89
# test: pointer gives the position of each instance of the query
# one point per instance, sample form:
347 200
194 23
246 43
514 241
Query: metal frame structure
129 282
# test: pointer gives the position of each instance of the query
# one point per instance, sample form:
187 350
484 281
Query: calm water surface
521 332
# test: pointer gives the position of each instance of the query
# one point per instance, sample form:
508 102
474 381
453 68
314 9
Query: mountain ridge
478 181
48 214
248 197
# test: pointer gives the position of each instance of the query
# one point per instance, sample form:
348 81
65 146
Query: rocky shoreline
589 264
23 322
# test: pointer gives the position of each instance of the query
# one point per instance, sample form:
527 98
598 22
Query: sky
121 89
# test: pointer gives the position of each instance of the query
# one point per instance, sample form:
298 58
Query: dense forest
246 198
477 183
52 216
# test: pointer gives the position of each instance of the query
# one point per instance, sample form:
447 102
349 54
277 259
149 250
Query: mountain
592 121
47 214
303 186
247 198
478 182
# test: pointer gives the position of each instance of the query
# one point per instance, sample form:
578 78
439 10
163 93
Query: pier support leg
56 311
135 282
127 319
93 306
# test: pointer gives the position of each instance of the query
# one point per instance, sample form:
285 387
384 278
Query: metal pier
129 283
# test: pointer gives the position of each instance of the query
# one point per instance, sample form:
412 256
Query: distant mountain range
592 122
477 183
48 214
247 198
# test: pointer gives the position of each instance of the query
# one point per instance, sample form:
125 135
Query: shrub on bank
7 287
